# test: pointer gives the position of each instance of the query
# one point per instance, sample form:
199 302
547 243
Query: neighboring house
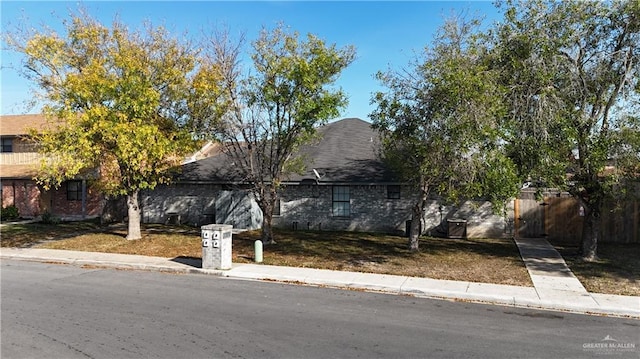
18 166
345 187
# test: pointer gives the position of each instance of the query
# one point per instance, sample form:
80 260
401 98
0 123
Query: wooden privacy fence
559 217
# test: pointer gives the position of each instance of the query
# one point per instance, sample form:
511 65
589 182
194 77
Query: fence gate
529 218
559 217
563 220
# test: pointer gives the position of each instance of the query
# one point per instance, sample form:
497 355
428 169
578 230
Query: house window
393 192
7 145
276 207
341 201
74 190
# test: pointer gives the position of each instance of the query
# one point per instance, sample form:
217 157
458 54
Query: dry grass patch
26 235
156 242
616 272
476 260
482 260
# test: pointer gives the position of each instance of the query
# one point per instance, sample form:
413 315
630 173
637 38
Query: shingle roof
27 171
218 168
346 153
18 125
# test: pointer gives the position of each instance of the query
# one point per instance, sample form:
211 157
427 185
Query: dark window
276 207
74 190
341 201
7 145
393 192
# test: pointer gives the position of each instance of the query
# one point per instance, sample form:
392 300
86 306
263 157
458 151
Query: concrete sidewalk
555 287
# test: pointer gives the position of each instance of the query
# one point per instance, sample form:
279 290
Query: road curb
493 299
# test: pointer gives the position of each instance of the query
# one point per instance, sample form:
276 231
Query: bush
48 218
9 212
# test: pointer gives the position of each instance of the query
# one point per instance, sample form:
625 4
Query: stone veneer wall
200 204
195 204
309 207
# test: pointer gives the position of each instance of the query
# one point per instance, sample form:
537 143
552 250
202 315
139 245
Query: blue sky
384 33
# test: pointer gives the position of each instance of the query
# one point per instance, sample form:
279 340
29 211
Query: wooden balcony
19 158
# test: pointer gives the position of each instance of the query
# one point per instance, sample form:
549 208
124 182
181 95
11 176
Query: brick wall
62 207
24 194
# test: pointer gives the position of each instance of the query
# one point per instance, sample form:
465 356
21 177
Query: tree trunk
267 217
267 232
133 209
590 232
414 229
417 212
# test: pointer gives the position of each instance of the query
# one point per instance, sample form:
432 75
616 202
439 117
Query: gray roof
345 153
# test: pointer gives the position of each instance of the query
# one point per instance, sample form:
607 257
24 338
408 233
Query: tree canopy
118 102
272 111
439 123
549 95
570 69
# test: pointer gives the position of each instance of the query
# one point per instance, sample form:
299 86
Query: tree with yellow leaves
120 102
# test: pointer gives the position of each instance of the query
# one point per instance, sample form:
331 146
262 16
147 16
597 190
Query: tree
571 73
118 103
270 113
439 127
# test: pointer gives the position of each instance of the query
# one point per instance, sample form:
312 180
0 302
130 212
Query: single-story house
18 167
345 187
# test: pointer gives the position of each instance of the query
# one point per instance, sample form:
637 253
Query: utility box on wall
216 246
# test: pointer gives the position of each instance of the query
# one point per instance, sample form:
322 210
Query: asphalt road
60 311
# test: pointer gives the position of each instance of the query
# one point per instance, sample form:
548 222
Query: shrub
9 212
48 218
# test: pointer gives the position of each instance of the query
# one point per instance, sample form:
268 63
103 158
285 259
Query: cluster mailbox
216 246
